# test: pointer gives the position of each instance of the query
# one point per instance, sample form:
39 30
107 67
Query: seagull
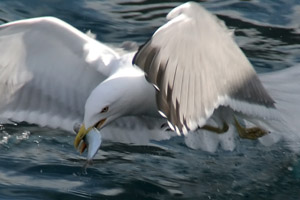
190 72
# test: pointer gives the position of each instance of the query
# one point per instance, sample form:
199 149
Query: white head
106 103
117 96
103 106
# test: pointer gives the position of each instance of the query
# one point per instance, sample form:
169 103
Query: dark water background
41 163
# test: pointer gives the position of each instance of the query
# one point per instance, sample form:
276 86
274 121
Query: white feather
47 70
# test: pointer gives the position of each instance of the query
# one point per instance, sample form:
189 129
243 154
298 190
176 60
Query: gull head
115 97
103 106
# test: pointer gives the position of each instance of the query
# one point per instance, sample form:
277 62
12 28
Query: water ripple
41 163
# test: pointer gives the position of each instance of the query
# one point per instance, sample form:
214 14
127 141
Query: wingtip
180 9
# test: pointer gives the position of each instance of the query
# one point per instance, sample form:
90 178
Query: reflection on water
41 163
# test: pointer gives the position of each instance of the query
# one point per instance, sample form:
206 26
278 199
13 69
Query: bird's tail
284 87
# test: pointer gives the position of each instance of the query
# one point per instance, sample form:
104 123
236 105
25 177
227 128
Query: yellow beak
79 138
82 133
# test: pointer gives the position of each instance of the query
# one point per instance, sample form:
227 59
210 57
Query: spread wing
47 70
196 66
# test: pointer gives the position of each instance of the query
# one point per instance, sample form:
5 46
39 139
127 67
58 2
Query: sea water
41 163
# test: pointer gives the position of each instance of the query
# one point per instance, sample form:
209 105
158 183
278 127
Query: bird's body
191 72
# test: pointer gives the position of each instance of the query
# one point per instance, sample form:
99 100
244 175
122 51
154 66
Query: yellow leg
217 130
249 133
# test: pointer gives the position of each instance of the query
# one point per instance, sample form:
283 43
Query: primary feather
197 67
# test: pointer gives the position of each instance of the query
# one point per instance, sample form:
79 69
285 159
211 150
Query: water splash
24 136
4 137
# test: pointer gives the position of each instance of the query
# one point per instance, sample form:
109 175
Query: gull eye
104 110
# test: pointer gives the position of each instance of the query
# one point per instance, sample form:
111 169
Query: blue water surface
41 163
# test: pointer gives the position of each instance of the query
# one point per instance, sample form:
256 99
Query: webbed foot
249 133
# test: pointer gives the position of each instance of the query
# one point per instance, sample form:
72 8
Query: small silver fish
93 140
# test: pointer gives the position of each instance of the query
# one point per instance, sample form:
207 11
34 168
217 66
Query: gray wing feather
47 71
196 66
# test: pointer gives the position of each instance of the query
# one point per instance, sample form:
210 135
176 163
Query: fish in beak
93 140
89 139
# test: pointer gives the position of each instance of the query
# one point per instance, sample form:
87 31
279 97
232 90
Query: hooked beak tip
80 135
